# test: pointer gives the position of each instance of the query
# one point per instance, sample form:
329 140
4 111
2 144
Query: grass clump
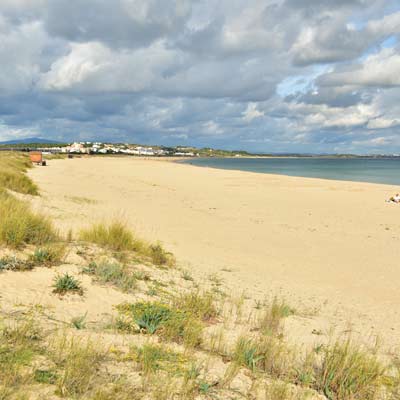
78 362
113 273
168 322
349 372
79 322
158 255
266 354
152 358
66 283
115 236
118 238
49 254
201 305
45 376
13 263
12 173
18 346
20 226
271 322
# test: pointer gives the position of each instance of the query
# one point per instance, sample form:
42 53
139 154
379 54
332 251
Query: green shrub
66 283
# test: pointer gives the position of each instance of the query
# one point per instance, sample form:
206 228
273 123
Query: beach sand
328 245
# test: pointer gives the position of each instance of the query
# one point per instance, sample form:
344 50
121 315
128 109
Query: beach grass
112 273
20 226
118 238
13 167
348 371
78 361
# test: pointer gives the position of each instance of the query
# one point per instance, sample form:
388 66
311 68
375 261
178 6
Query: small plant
48 254
79 322
148 316
152 358
267 354
45 376
113 273
66 283
272 319
158 255
168 322
186 275
201 305
14 264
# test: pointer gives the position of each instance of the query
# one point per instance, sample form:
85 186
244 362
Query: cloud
272 75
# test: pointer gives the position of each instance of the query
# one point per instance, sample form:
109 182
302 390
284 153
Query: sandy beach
329 244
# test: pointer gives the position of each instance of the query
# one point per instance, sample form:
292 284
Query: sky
320 76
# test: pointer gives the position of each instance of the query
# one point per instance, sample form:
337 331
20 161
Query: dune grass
271 320
78 361
347 371
118 238
166 321
113 273
19 344
13 167
20 226
154 357
49 254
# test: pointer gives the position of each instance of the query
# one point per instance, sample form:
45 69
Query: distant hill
29 141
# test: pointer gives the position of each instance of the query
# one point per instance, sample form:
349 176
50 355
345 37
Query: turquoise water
382 170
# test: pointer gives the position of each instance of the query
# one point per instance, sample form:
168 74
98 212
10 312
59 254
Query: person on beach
395 199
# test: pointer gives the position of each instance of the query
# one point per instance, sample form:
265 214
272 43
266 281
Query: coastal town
114 148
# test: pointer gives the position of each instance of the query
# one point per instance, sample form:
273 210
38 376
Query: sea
374 170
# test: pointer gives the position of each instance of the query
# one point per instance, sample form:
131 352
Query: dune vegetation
127 322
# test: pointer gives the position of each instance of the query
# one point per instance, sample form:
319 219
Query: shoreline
320 241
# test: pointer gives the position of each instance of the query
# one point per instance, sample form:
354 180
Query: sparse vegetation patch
64 284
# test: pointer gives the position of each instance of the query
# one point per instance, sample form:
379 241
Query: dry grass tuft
349 372
20 226
117 237
271 321
12 173
112 273
79 363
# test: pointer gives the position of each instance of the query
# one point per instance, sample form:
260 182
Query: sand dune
329 243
